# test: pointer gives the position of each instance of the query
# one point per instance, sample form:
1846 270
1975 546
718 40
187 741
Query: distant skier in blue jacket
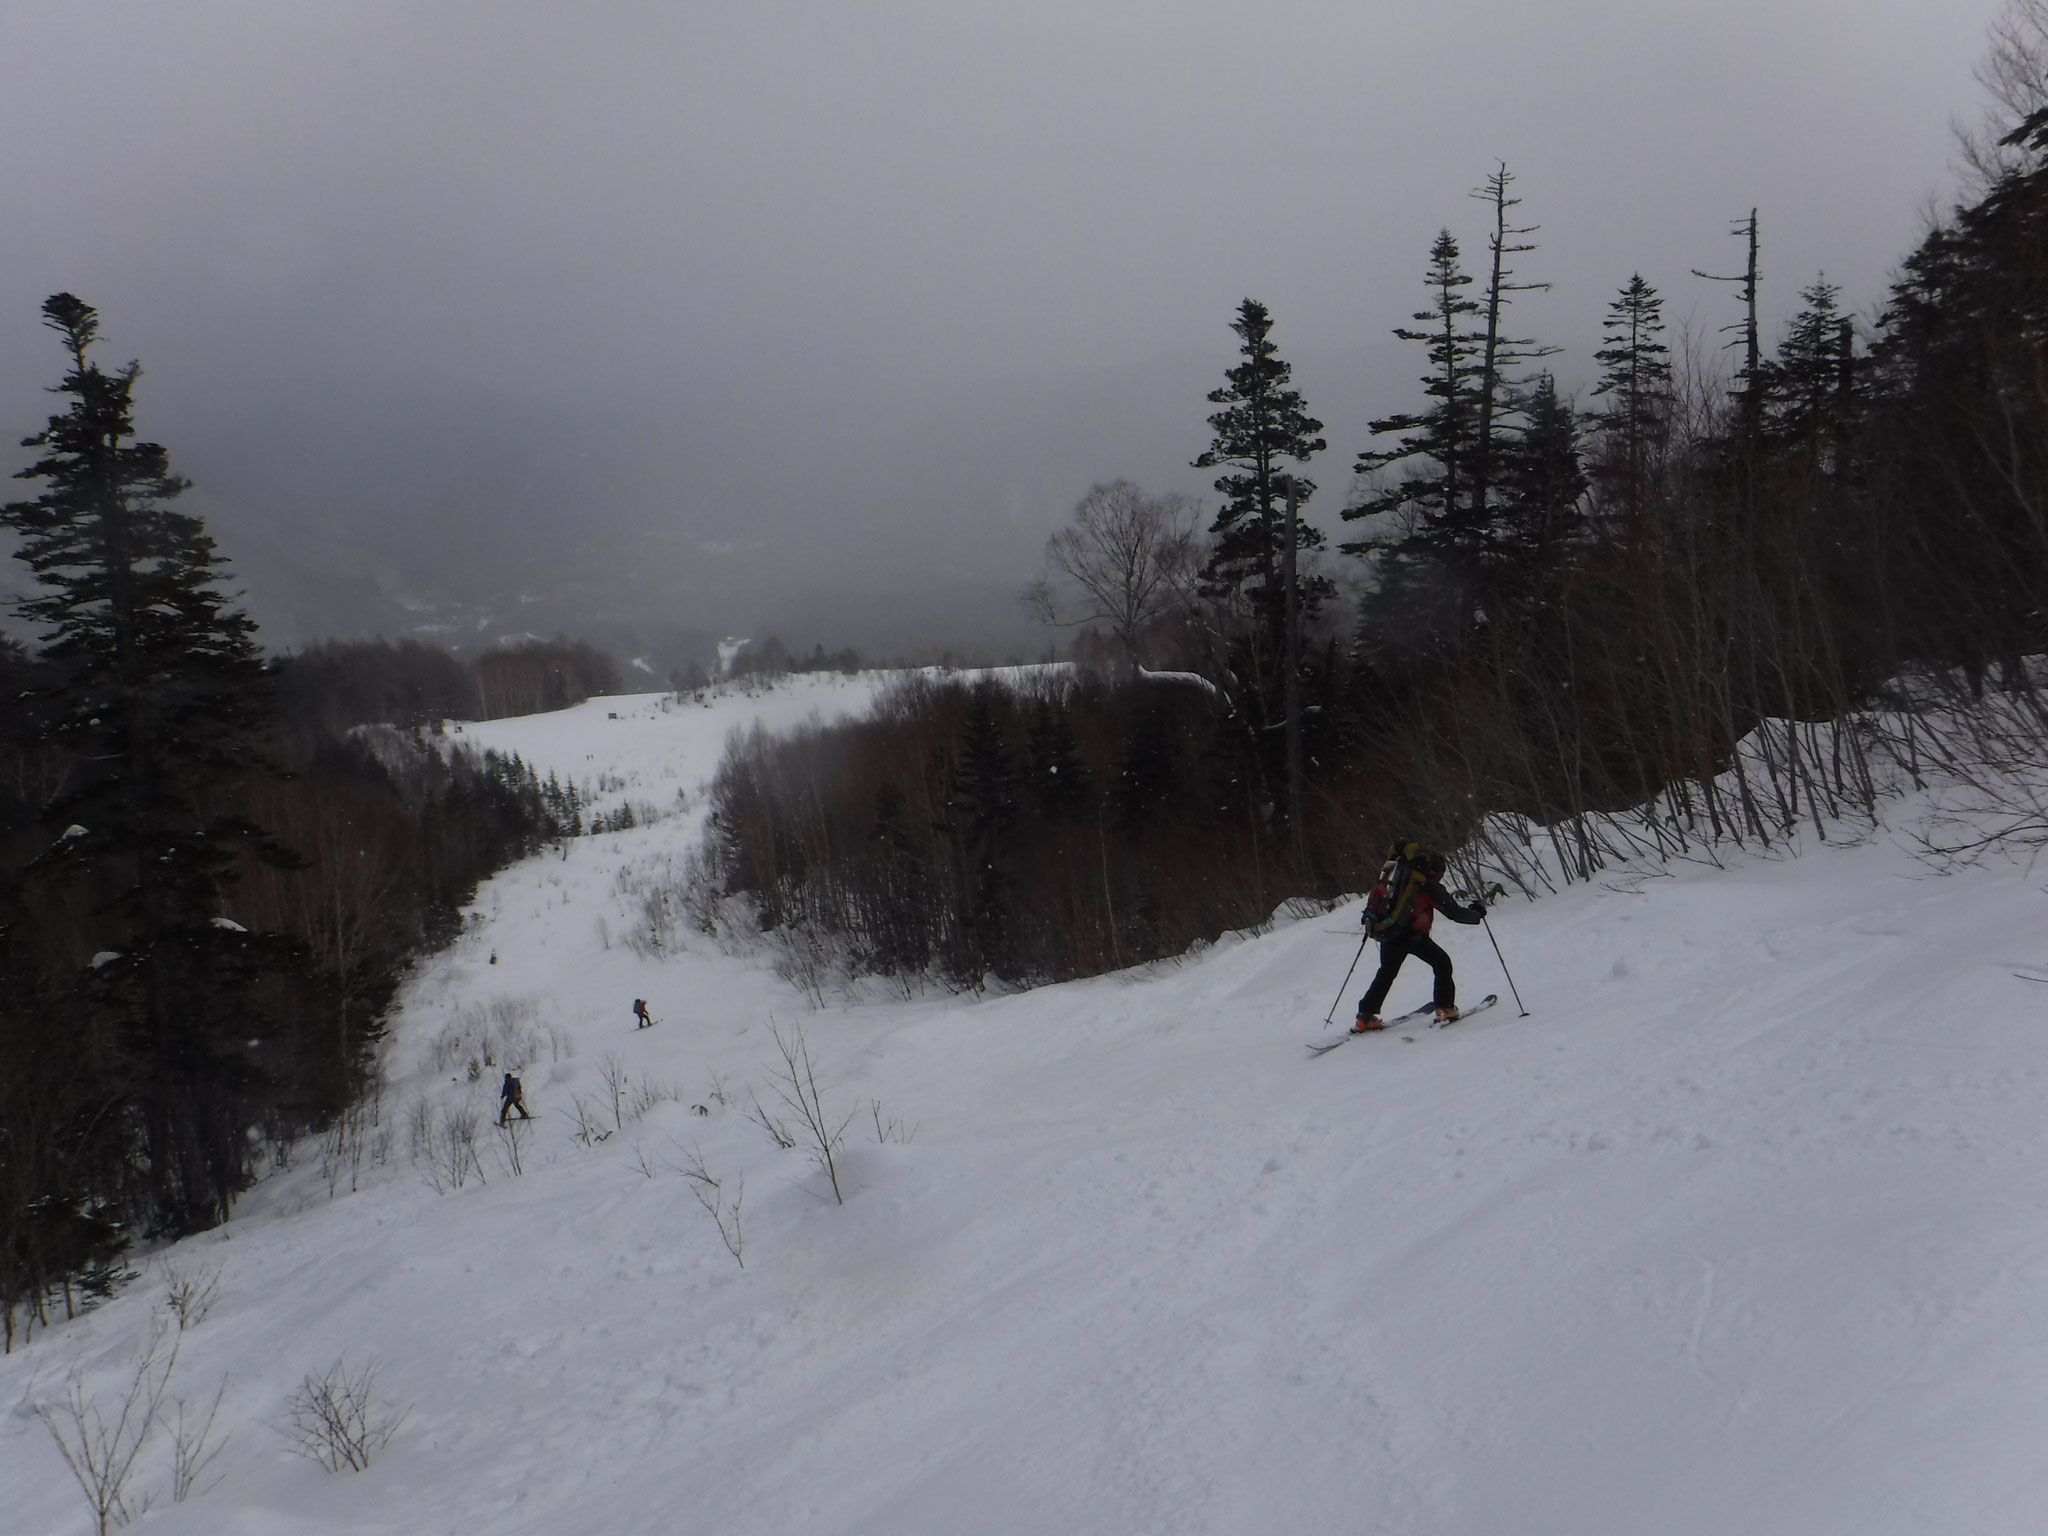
1413 910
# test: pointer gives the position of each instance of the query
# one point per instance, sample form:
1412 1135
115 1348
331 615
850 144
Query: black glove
1479 907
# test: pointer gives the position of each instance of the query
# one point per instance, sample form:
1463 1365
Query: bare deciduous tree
2014 74
1131 556
101 1452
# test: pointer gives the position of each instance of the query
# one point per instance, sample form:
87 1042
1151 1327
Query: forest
1717 603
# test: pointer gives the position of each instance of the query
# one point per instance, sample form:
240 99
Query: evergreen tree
159 694
1432 564
1636 423
1056 774
1542 495
897 901
1807 387
1148 776
1263 423
981 815
1956 380
1497 353
1438 442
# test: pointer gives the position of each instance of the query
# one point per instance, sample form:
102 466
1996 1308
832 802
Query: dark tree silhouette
1263 423
1635 381
157 697
1498 353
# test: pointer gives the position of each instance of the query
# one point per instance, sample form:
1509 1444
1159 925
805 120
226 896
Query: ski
1318 1047
1481 1006
1322 1047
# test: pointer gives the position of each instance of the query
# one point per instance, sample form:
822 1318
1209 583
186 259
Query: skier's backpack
1391 900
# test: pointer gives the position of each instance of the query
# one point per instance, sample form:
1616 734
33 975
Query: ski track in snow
1746 1228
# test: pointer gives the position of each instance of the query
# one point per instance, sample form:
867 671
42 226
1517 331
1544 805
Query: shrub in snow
589 1118
796 1085
337 1419
192 1444
190 1294
100 1445
720 1205
444 1144
888 1128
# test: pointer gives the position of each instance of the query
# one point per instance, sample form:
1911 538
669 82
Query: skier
642 1019
510 1097
1409 935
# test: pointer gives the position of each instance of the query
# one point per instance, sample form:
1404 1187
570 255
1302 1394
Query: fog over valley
683 320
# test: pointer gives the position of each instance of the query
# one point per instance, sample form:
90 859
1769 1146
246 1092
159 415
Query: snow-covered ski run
1752 1236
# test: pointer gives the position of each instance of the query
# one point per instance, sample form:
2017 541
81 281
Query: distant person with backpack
642 1019
510 1097
1398 913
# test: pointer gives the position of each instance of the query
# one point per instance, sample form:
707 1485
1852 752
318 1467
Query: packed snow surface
1744 1228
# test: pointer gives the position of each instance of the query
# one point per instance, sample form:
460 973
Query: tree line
342 683
1705 606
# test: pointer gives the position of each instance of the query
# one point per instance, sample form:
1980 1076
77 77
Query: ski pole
1345 985
1503 959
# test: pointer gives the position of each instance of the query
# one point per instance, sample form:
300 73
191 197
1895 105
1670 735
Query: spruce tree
1434 563
897 900
1055 772
982 815
1148 777
1438 443
1636 423
1955 384
1807 386
1541 507
1262 424
159 694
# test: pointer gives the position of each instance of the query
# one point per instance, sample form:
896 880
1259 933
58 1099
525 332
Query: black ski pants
1397 949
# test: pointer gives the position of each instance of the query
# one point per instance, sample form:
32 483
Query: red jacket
1422 911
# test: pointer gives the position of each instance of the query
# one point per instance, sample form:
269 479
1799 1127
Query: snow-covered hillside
1745 1229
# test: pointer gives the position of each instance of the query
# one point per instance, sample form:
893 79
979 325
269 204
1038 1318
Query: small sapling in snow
337 1419
796 1085
101 1450
189 1294
721 1206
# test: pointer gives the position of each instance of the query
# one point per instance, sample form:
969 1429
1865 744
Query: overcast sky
768 299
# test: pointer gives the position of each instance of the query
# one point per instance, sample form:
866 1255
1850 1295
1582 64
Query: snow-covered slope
1744 1229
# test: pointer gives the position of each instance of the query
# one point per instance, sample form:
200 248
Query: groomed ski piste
1744 1229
